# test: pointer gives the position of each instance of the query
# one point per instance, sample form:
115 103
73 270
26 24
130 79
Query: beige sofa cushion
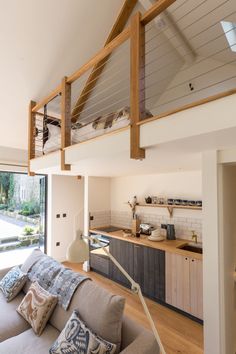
28 343
34 256
99 309
36 307
11 323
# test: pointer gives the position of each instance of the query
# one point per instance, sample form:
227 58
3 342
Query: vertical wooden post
65 121
31 136
137 79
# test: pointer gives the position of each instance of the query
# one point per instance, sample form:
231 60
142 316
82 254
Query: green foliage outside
29 208
6 183
10 196
28 230
3 206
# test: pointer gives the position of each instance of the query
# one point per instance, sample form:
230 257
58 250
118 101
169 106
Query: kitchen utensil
146 229
170 229
177 201
127 233
156 239
156 233
161 200
154 200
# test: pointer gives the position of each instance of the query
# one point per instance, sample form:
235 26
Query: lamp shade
78 250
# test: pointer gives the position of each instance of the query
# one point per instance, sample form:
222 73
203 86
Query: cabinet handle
193 260
186 259
136 246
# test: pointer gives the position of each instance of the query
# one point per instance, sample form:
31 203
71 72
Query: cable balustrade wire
167 79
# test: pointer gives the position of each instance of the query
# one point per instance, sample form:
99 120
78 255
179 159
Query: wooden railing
135 33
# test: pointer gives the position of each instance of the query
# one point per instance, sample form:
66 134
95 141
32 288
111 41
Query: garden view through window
22 216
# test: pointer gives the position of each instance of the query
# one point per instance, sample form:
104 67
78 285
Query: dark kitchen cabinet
154 273
138 274
100 264
145 265
124 253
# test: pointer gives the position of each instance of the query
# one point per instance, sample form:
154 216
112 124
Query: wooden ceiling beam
117 28
155 10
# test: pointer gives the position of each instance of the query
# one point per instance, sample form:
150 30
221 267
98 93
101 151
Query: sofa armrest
4 271
145 343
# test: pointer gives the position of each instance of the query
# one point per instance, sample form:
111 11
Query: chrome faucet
194 236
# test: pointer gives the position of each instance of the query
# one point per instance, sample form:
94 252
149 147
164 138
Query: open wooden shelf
170 207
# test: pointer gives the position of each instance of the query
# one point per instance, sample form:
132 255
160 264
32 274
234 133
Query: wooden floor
178 333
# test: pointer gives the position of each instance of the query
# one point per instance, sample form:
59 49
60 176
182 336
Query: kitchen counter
166 245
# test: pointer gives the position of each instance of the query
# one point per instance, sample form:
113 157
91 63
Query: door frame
45 203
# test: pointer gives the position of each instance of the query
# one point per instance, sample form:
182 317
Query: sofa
101 310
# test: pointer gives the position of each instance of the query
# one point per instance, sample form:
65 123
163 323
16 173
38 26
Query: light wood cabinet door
196 288
184 283
177 281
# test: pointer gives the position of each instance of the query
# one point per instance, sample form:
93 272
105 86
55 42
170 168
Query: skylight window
230 33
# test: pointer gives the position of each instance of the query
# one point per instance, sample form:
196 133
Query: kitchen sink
192 247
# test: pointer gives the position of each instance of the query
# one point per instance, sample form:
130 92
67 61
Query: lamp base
86 266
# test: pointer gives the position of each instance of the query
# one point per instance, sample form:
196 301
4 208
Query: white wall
65 195
211 251
181 185
99 194
14 160
228 257
173 185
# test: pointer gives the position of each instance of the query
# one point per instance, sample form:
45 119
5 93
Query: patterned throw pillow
12 283
37 307
77 338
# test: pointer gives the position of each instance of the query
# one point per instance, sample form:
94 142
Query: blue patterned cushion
76 338
12 283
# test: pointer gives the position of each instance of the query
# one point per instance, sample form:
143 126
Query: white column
86 215
49 216
211 252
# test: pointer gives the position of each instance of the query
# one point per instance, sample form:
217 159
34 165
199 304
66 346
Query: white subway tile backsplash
100 218
183 225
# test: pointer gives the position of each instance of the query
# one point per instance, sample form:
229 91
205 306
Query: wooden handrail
91 82
155 10
104 52
137 34
31 135
65 120
47 99
189 106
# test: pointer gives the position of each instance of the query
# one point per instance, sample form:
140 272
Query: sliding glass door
22 215
43 213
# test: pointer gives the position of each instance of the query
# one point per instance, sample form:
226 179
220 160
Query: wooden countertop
166 245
